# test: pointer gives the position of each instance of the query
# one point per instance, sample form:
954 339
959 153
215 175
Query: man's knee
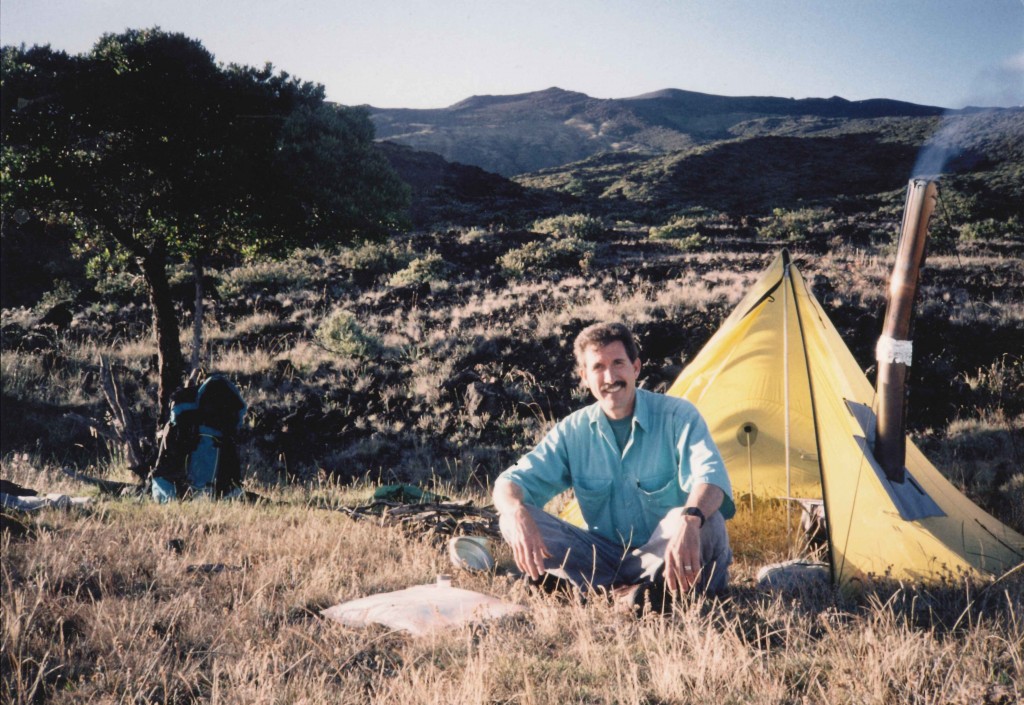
714 537
557 534
576 555
716 554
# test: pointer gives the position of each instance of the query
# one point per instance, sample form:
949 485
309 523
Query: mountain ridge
527 132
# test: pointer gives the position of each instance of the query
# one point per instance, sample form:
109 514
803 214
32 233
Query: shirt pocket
665 495
595 502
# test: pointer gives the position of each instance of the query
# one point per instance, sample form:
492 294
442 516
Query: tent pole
750 469
785 393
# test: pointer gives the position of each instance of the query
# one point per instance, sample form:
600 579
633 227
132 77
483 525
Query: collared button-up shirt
623 495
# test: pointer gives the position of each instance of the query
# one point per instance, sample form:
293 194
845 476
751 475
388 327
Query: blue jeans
589 561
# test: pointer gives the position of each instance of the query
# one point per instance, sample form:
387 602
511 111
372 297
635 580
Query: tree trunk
170 362
197 324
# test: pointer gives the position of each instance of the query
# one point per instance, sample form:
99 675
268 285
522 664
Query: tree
152 150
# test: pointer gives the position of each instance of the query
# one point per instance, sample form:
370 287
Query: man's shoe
627 599
548 584
639 599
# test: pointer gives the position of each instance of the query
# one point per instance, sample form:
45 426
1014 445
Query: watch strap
695 512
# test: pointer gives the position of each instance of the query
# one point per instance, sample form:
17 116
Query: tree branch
124 426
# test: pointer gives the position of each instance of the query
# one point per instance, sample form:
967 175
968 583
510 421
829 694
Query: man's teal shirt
623 495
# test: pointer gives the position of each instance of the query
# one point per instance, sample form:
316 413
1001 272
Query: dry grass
97 608
237 362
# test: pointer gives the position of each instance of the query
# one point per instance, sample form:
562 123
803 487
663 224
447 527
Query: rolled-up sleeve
542 473
700 462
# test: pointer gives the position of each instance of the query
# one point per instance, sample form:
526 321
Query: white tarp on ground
33 503
421 609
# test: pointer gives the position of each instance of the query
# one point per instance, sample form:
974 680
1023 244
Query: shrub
341 334
431 267
121 287
547 255
690 243
991 229
273 276
960 217
681 226
942 237
63 291
370 260
577 225
473 236
798 225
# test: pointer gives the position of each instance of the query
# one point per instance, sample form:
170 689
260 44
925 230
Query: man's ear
636 366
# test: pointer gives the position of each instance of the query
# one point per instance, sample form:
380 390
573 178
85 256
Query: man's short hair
600 334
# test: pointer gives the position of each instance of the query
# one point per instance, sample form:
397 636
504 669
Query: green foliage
970 210
369 260
569 253
991 229
576 187
341 334
148 146
679 227
147 141
474 236
326 159
430 268
120 286
577 225
687 232
690 243
266 275
796 225
953 209
62 291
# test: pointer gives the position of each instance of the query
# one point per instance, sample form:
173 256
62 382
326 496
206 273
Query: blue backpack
198 444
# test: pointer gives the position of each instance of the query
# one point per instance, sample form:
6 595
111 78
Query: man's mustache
613 387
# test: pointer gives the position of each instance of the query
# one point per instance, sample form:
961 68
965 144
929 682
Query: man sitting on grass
650 483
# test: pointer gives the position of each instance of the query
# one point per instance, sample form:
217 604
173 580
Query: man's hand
523 536
519 529
683 560
682 556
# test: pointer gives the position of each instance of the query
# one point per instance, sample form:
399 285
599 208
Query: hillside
522 133
790 163
650 158
445 353
449 192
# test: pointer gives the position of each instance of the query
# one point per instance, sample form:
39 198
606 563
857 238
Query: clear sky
432 53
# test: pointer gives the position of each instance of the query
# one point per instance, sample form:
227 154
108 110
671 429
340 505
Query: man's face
611 378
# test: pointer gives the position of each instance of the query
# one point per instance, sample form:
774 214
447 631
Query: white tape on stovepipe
893 351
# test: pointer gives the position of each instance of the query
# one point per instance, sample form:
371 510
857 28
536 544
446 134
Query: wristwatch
695 512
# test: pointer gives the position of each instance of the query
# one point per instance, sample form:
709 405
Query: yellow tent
775 382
